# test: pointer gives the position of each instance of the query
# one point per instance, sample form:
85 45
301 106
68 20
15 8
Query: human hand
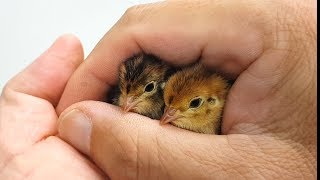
269 122
29 148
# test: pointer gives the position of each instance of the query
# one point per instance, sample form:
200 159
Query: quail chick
141 82
194 100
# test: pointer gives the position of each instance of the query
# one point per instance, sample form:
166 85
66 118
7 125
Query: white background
29 27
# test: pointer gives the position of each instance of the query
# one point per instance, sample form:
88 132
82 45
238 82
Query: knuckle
133 10
127 155
136 14
6 93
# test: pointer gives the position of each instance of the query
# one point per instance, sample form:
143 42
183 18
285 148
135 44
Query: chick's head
194 100
142 79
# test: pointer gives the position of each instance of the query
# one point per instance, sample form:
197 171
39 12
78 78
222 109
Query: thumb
128 145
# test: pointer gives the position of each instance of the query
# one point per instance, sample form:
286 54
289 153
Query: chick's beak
168 116
129 104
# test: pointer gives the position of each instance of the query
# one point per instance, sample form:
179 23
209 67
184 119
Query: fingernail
75 128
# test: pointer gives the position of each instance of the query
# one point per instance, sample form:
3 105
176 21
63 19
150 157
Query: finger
47 76
131 146
27 114
219 34
130 141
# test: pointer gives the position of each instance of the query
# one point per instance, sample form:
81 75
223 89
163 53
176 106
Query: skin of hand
29 148
269 121
194 99
141 83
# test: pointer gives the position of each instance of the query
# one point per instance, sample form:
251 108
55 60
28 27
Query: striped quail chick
141 82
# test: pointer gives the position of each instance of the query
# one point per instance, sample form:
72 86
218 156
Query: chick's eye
195 103
149 87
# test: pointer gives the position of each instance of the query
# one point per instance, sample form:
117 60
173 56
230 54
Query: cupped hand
269 121
29 148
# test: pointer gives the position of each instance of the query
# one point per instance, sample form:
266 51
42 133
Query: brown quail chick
194 100
141 82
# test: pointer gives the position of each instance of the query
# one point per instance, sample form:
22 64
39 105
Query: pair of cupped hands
54 125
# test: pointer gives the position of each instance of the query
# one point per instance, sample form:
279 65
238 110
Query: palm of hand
28 145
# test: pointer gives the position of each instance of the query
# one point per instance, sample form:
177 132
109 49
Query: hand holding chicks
269 121
191 98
